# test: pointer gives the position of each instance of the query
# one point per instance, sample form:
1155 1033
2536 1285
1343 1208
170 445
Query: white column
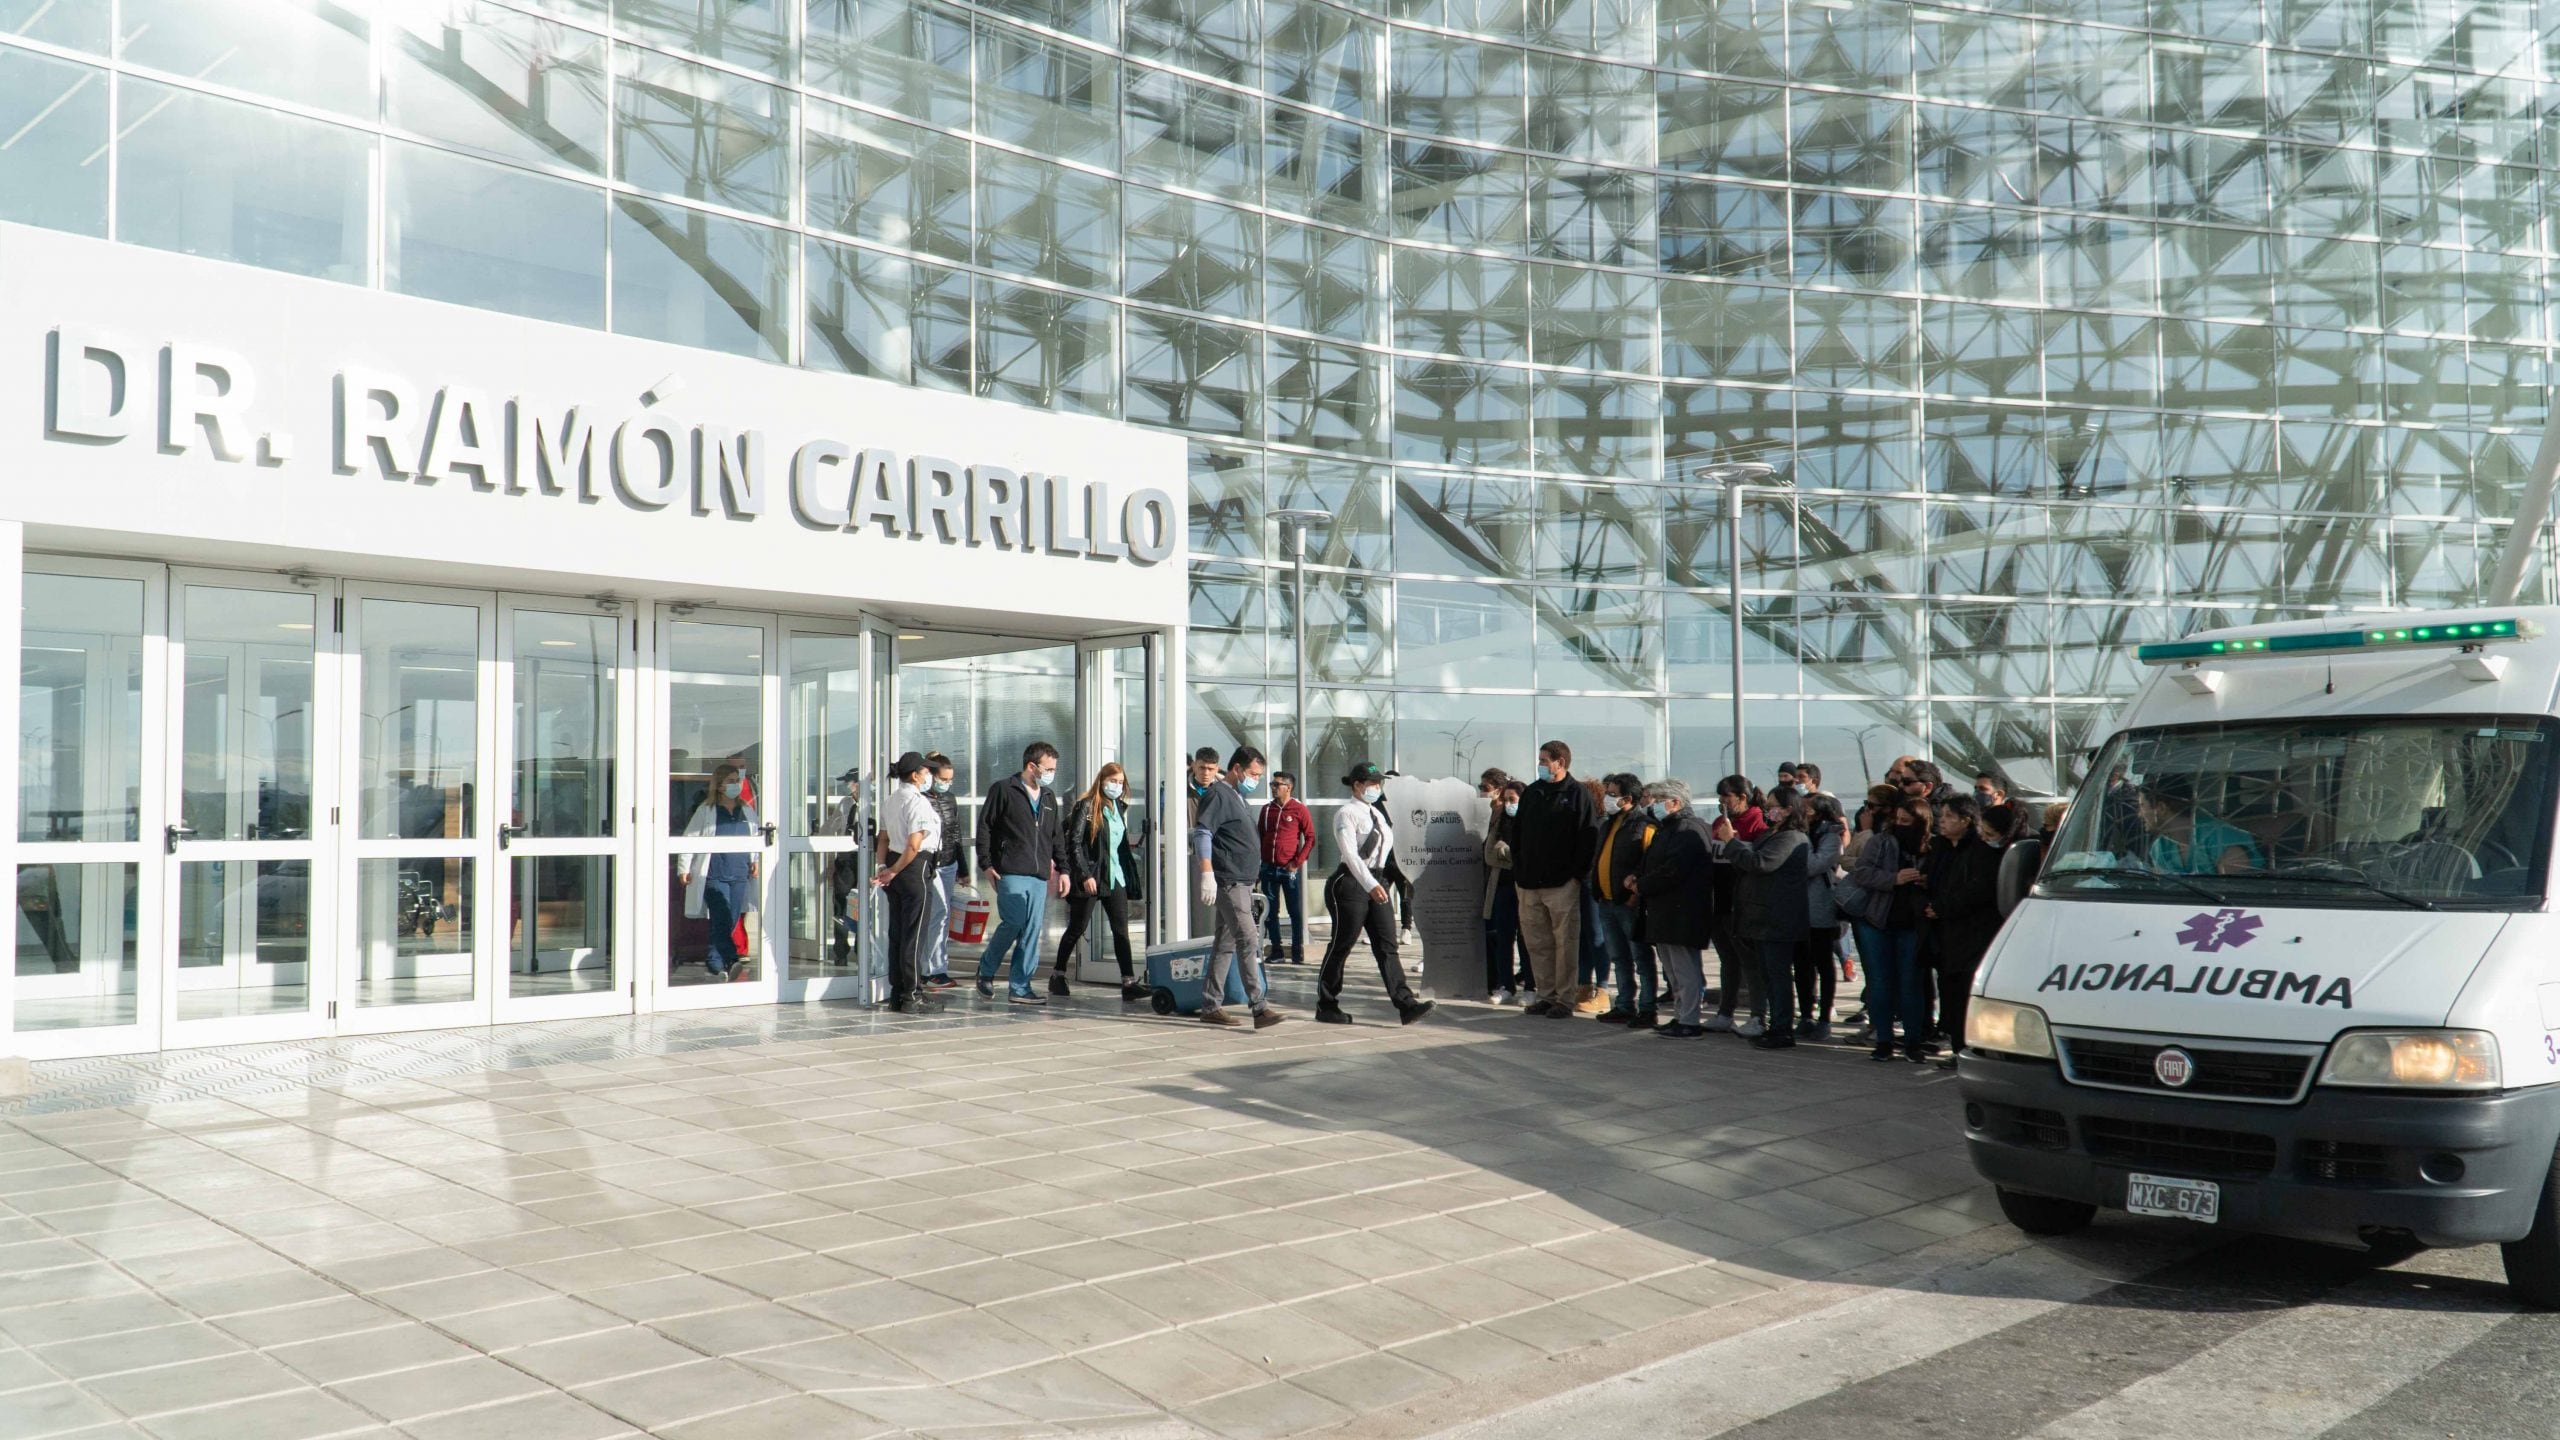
1173 773
13 572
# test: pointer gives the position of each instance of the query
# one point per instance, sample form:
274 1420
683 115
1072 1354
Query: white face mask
1511 807
731 789
1111 789
1611 805
1046 776
1370 795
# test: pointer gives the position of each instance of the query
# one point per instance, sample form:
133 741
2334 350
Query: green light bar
2247 647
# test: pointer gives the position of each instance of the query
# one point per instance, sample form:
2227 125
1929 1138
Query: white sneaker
1751 1029
1819 1030
1719 1022
1506 996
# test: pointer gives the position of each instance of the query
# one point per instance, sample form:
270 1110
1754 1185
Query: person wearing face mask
1740 805
1506 958
915 836
1228 862
1626 827
1963 910
1772 900
1360 902
1884 900
950 871
720 889
1020 843
1550 853
844 870
1288 834
1103 869
1675 904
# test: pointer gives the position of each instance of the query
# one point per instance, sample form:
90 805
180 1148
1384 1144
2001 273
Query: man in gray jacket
1230 862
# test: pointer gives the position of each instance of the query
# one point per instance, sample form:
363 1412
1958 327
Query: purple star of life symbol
2217 929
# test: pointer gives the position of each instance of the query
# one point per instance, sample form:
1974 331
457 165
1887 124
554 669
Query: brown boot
1219 1017
1265 1019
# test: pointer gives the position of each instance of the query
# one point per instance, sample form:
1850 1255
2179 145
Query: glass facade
2069 325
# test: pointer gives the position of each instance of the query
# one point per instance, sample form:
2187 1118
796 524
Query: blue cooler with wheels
1179 973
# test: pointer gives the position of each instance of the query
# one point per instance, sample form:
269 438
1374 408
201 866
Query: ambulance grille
2268 1076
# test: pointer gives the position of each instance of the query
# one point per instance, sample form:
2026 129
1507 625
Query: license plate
2198 1200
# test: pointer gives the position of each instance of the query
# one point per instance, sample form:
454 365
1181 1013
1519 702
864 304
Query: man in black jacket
1018 843
1549 856
950 871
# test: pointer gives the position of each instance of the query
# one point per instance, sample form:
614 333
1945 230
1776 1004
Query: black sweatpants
1817 975
1354 913
1115 907
907 897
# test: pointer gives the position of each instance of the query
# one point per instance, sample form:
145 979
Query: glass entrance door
1116 722
563 733
718 699
88 807
249 820
413 872
819 805
880 654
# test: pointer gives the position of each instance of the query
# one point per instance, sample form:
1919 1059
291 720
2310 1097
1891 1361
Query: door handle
507 833
769 828
177 832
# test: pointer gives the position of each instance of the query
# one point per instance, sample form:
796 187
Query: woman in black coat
1772 911
1963 916
1675 902
1105 853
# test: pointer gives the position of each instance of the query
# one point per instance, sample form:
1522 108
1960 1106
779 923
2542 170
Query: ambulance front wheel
2533 1263
1163 1002
2044 1215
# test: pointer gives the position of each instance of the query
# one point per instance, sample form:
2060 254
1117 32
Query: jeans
1778 978
941 893
1279 884
1022 909
1738 971
1235 940
1817 979
1894 990
1636 970
1594 965
1506 955
1688 973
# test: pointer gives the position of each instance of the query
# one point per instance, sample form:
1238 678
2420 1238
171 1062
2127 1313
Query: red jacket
1288 833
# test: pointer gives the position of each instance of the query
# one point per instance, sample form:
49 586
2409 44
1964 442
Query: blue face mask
1111 789
1660 810
1511 807
941 787
1251 784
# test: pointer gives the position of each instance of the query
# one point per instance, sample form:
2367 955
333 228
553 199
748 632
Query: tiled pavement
817 1223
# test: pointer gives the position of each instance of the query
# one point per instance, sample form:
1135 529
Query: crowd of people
1615 891
1601 896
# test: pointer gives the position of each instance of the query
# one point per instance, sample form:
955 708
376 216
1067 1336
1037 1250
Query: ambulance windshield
2391 812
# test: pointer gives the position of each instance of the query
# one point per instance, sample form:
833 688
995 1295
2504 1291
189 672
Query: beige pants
1551 925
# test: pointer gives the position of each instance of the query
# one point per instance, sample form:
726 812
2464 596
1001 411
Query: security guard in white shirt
912 835
1359 900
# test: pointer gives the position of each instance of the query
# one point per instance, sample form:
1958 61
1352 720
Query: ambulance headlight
2007 1029
2414 1060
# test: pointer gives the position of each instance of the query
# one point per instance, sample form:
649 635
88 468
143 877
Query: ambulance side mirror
2018 866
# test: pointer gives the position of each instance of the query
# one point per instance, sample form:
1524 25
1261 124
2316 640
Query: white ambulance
2290 963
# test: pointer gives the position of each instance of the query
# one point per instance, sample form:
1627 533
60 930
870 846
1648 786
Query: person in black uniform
1358 899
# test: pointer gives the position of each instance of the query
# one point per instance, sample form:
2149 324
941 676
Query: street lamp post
1294 523
1733 477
